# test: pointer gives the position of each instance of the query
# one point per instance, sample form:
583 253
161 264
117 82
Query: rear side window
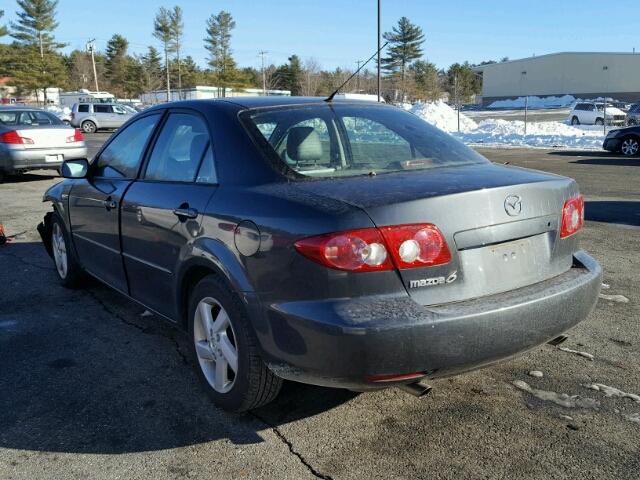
207 172
121 158
102 109
179 149
83 108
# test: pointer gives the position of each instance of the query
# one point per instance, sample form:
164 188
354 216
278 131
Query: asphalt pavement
92 388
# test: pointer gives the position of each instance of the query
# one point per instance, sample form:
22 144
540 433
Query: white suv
593 113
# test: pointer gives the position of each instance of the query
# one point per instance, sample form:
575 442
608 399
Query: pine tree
162 30
34 31
177 31
462 82
218 44
427 81
3 29
118 64
152 69
405 46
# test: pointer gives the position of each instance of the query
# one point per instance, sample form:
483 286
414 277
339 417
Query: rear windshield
28 117
336 140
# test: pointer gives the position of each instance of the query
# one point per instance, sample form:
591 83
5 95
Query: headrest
198 142
303 145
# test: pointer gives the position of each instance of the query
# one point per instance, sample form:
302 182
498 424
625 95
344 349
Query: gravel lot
89 388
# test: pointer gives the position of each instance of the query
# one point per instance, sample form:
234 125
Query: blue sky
337 33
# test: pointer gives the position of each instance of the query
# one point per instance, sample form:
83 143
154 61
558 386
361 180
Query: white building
205 92
581 74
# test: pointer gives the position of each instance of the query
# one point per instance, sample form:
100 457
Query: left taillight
355 250
13 138
76 137
373 249
572 216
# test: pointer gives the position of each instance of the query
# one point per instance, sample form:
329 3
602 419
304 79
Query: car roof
262 101
21 108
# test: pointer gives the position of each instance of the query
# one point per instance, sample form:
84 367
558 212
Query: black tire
254 384
575 121
73 275
2 175
630 146
599 121
88 127
631 122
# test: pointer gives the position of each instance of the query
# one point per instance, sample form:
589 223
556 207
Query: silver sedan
32 138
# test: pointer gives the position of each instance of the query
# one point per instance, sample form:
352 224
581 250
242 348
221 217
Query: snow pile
443 116
539 134
498 132
61 112
535 102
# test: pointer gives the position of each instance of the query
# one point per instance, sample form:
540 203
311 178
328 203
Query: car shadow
599 158
84 371
620 212
583 153
30 177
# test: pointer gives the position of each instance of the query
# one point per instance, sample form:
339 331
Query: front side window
179 149
121 158
334 140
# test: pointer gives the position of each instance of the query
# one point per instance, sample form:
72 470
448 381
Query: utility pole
604 120
91 46
44 89
262 53
455 94
379 28
523 76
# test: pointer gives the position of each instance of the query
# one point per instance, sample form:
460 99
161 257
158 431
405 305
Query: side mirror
75 168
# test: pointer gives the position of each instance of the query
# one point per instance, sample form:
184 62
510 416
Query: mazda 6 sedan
342 244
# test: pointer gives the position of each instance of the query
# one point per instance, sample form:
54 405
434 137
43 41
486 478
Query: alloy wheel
630 146
215 345
59 248
88 127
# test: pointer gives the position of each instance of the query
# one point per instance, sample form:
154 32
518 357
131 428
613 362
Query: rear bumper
611 144
29 159
343 342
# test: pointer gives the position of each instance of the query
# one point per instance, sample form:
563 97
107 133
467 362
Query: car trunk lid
53 136
501 224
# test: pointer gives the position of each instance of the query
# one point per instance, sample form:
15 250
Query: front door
162 212
94 203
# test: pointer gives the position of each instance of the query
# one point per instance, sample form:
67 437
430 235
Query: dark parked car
343 244
623 140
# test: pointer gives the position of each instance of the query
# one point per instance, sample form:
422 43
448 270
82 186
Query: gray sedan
31 138
342 244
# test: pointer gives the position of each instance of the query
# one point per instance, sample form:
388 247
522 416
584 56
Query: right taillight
572 216
373 249
419 245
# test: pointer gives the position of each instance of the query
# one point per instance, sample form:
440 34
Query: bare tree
311 77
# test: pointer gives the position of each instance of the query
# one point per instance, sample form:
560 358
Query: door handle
109 203
185 212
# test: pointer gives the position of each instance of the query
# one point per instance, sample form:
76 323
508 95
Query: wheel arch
209 257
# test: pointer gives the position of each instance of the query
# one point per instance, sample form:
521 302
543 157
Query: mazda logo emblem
513 205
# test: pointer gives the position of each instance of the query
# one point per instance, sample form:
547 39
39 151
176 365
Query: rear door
162 212
104 116
94 203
